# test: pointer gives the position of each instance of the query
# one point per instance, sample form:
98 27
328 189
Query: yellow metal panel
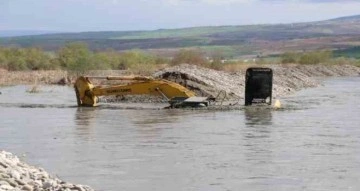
152 87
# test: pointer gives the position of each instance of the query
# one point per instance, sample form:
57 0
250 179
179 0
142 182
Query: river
312 143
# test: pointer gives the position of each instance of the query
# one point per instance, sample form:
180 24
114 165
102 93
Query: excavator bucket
258 88
83 90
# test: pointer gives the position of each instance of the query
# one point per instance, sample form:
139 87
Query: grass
181 33
138 62
228 52
184 38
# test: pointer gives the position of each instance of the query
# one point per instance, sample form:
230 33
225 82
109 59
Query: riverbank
287 78
17 175
46 77
204 81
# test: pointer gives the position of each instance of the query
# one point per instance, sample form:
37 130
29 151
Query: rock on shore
287 78
17 175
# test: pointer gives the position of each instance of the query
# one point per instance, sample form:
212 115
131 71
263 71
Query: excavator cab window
258 88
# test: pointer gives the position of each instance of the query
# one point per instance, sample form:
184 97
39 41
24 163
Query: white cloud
177 2
227 1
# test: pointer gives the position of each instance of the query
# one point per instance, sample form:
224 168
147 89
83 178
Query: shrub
25 59
289 57
106 60
140 62
189 57
344 61
315 57
217 61
14 59
37 59
76 57
2 58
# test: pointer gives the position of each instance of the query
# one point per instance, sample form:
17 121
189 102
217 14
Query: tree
136 59
15 59
76 57
315 57
37 59
3 59
189 57
106 60
289 57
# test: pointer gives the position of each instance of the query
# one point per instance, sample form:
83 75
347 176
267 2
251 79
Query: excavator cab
258 88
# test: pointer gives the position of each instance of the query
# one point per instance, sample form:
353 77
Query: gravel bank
287 78
205 82
31 77
60 77
16 175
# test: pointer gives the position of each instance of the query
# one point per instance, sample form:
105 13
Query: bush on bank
315 57
77 57
25 59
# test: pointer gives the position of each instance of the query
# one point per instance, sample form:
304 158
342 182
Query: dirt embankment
204 81
31 77
287 78
61 77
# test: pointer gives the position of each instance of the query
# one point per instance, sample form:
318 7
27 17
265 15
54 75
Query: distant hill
14 33
348 18
232 41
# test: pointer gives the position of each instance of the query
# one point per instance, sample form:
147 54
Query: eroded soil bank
287 78
204 81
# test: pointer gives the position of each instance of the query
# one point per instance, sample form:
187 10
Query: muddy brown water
312 143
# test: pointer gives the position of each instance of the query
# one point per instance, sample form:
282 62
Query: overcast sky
105 15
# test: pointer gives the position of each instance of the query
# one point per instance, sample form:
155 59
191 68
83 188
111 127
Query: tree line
73 56
78 57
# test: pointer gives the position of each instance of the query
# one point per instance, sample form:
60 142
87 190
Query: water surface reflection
258 116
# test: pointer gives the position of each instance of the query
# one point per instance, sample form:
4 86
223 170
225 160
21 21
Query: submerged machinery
258 89
258 86
178 96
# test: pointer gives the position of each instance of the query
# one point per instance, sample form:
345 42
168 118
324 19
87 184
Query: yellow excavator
178 96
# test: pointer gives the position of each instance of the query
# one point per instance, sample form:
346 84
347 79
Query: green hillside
251 39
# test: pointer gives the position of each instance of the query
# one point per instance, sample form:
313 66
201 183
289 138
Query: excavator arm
87 94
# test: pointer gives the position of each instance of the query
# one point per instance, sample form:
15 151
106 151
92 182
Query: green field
231 41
